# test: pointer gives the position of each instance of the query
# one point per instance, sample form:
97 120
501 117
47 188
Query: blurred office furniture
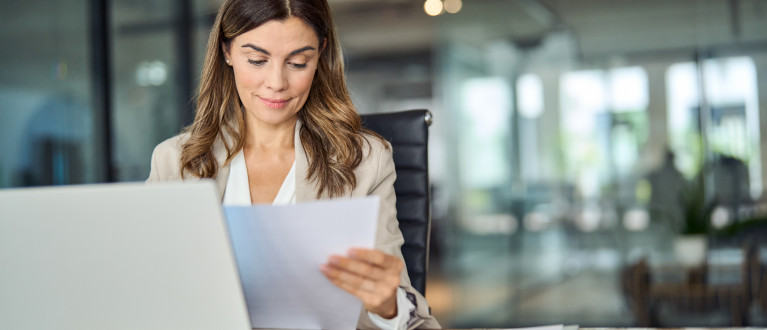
732 181
52 161
759 274
762 290
697 290
408 133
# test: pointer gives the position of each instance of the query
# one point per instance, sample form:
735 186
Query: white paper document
279 250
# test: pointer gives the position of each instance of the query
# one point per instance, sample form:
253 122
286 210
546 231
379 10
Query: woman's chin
275 116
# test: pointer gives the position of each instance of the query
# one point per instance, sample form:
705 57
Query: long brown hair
331 133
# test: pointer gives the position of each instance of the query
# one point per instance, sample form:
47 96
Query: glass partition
47 115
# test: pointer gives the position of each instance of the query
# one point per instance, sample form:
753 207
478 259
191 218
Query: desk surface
638 328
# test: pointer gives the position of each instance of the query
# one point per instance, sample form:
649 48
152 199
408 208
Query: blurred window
530 96
683 100
604 124
629 98
530 105
730 115
486 112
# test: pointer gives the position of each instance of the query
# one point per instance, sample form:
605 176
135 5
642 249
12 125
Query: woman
275 124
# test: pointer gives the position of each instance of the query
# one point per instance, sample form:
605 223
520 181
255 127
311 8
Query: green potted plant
691 243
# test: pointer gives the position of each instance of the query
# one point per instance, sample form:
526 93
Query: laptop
117 256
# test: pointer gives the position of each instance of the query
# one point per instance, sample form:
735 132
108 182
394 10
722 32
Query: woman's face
274 65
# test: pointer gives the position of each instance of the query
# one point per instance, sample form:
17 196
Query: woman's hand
370 275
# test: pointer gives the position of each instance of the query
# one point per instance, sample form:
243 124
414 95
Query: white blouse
237 193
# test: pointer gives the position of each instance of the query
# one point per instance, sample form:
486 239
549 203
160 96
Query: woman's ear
324 43
225 52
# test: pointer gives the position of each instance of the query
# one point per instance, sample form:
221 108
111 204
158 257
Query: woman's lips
274 103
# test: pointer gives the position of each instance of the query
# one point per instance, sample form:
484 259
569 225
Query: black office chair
408 132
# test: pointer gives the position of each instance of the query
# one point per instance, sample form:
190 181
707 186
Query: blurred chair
695 294
635 282
760 275
408 132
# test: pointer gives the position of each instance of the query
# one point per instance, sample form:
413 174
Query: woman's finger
378 258
339 275
359 267
372 300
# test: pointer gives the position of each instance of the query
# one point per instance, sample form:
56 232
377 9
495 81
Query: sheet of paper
279 250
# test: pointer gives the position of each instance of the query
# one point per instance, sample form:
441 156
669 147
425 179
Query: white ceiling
600 27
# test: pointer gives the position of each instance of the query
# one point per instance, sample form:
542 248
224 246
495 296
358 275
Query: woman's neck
267 137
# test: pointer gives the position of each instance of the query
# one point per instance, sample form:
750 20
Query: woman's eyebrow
301 50
256 48
259 49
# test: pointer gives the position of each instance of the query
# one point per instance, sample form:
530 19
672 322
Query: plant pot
690 250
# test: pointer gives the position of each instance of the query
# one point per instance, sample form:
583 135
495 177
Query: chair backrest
408 132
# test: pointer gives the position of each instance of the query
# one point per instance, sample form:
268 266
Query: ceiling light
433 7
453 6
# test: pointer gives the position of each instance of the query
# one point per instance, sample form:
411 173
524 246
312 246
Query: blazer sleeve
166 158
154 170
389 240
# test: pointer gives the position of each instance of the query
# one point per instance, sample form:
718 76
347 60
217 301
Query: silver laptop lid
117 256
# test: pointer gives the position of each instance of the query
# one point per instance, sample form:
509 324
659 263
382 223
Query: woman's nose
276 78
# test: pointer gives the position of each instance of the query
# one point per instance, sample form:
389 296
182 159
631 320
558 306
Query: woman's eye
297 65
257 63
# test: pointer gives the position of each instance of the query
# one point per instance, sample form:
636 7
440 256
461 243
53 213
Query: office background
570 138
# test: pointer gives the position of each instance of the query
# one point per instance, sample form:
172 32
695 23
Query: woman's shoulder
374 146
171 145
166 159
377 156
376 165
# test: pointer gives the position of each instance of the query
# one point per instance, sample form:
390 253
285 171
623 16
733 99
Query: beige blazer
375 176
